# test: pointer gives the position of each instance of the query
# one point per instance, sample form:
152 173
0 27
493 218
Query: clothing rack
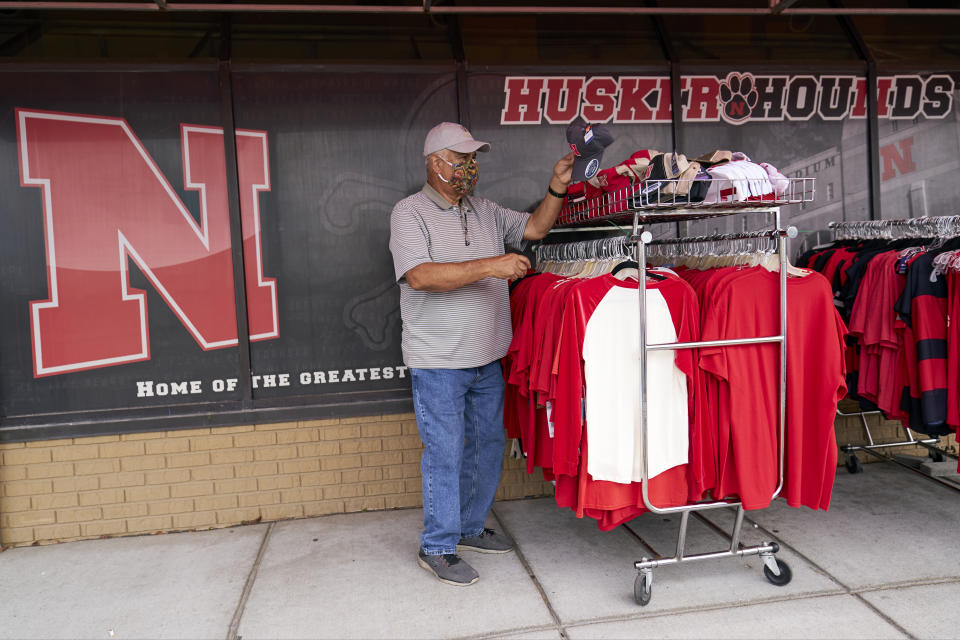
773 240
923 227
853 462
926 226
775 570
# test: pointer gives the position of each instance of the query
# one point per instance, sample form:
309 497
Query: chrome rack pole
781 247
863 420
886 445
642 237
611 228
790 231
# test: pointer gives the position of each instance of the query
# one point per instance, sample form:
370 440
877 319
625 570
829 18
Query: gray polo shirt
469 326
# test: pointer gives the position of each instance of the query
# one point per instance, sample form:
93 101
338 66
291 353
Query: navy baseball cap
587 142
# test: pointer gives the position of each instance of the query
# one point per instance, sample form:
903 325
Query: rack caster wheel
642 589
936 456
779 580
853 463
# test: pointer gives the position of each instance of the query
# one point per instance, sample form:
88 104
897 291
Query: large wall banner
118 285
118 289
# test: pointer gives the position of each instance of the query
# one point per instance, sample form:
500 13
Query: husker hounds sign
736 99
105 202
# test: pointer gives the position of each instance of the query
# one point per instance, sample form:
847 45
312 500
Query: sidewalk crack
560 627
248 586
850 590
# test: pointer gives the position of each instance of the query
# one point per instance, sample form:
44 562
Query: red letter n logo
105 202
897 158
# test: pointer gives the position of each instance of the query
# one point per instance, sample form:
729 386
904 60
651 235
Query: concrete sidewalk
882 563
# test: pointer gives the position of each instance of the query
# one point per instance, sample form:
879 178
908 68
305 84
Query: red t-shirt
953 352
611 503
514 409
530 422
872 322
747 305
718 466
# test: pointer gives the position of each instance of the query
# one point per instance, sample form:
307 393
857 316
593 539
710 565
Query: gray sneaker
448 568
488 541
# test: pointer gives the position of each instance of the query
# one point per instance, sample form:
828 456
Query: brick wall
70 489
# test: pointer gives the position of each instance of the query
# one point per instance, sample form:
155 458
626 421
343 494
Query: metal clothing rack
853 462
775 570
924 227
646 213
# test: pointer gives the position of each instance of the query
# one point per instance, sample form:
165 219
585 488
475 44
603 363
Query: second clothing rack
890 229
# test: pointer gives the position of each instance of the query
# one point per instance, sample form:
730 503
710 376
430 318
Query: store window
918 155
809 127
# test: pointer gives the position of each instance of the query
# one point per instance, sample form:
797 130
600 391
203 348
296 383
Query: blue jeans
460 419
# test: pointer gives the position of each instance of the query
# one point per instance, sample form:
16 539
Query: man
449 259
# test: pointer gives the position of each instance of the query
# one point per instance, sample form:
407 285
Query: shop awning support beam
778 6
781 8
874 206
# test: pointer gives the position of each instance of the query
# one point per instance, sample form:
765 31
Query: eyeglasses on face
459 157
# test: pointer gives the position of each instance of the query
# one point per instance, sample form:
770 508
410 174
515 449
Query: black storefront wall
81 323
118 307
119 302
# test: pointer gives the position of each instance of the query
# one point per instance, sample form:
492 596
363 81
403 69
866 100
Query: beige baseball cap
453 136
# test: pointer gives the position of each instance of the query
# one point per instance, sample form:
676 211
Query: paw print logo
739 96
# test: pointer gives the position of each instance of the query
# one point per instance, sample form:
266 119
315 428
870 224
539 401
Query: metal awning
745 8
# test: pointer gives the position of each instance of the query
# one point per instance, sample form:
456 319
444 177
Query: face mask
465 176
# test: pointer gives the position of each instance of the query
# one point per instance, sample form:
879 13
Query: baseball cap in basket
636 165
587 142
453 136
717 156
660 183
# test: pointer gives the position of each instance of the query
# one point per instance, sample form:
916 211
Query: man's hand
509 266
563 172
447 276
